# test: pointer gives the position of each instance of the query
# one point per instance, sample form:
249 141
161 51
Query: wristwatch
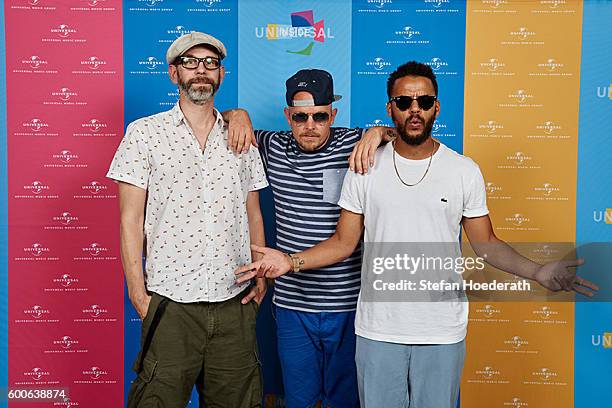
296 262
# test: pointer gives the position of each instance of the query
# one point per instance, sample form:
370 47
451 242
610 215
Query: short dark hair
412 68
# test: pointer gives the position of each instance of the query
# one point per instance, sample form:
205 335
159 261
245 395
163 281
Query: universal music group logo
92 5
95 252
34 64
66 283
95 313
65 96
440 66
490 314
37 252
379 3
149 66
36 127
437 6
151 63
151 6
487 375
36 314
65 156
95 190
376 66
95 128
65 159
38 190
494 7
493 67
408 35
95 375
37 374
555 7
95 66
63 33
378 6
176 32
523 36
65 345
32 5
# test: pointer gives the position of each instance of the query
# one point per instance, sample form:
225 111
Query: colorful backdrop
526 91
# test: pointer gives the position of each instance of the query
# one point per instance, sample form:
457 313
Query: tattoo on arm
389 136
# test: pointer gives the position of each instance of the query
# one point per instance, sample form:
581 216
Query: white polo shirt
196 224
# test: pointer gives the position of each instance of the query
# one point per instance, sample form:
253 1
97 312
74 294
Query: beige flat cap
186 41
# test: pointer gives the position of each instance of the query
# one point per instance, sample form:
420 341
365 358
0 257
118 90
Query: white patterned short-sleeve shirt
196 224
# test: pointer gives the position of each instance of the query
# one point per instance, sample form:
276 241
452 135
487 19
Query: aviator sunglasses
302 117
404 102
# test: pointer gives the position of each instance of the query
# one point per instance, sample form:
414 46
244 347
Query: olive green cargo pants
209 345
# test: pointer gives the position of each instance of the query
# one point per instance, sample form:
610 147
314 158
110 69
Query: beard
311 146
199 95
418 139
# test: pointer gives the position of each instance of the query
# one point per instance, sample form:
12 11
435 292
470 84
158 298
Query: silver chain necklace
426 170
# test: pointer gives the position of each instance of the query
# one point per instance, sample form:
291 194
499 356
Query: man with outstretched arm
314 310
411 353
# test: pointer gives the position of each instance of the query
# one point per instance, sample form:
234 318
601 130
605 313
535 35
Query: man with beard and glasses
196 205
315 310
411 347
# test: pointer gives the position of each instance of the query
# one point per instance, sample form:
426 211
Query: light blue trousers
392 375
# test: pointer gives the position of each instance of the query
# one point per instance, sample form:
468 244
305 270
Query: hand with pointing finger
558 276
273 264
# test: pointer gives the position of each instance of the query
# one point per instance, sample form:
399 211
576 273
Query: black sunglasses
210 63
404 102
302 117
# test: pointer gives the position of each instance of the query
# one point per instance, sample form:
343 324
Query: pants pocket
139 386
149 324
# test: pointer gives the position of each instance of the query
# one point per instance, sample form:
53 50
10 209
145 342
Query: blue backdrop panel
276 40
149 29
3 220
593 347
388 33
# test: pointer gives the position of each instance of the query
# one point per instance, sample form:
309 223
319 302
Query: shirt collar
178 117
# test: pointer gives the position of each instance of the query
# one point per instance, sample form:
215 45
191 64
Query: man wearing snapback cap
314 310
411 207
195 203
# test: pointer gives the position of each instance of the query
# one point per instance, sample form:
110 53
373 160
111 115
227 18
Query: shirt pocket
332 185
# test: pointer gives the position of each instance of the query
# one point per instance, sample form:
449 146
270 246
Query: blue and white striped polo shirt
306 188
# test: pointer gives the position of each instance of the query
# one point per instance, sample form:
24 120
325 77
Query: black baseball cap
316 82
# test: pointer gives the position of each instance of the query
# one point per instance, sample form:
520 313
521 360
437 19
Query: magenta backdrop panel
64 62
